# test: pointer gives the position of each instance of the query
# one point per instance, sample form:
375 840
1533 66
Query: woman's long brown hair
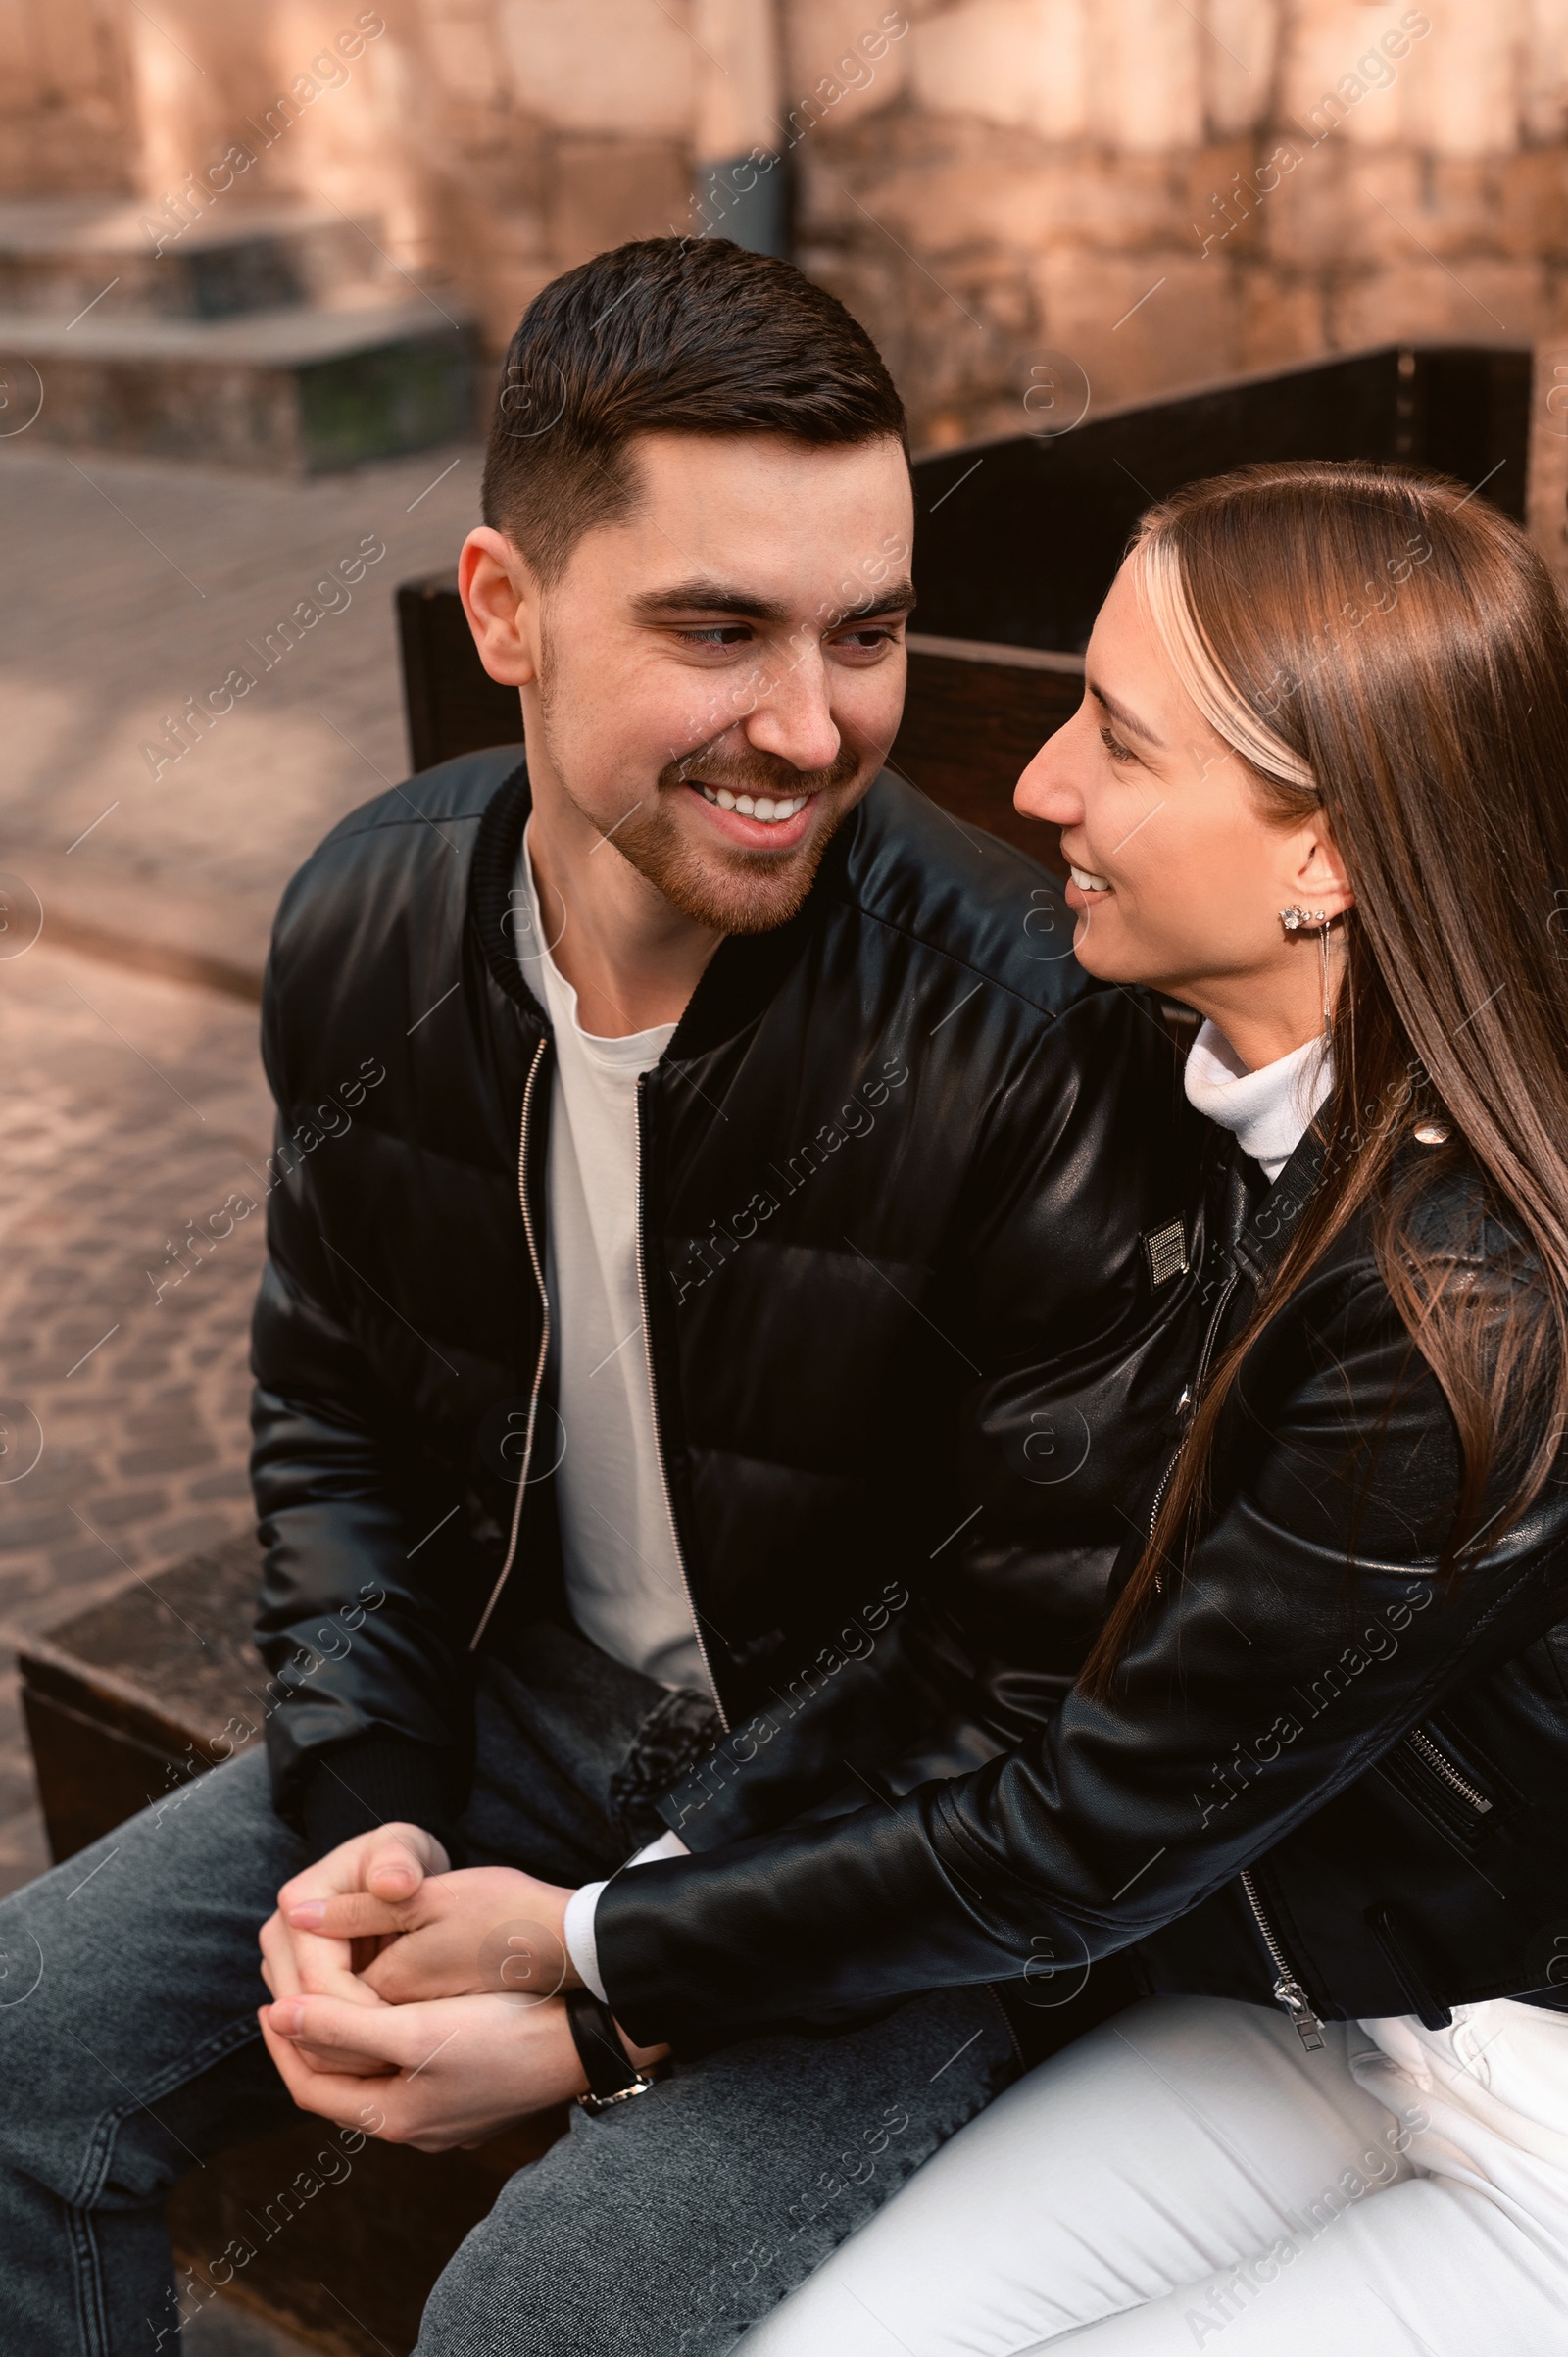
1386 648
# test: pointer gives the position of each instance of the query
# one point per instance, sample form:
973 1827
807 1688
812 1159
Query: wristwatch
613 2076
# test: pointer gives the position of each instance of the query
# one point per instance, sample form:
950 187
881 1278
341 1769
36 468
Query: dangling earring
1317 920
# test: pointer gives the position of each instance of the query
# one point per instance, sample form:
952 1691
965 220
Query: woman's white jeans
1187 2177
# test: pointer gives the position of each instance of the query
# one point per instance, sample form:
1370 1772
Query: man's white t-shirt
624 1587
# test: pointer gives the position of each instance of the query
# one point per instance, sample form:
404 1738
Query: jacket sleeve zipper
1287 1990
658 1422
537 1264
1439 1762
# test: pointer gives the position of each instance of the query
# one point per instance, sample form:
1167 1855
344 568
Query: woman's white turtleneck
1269 1109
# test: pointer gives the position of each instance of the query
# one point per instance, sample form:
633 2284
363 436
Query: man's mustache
758 772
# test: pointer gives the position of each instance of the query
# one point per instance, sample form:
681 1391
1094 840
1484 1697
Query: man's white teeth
756 806
1086 882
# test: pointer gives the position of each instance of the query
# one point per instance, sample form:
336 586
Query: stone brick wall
1161 193
66 104
1168 194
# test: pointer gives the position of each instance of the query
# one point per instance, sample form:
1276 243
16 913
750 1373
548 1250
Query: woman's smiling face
1179 873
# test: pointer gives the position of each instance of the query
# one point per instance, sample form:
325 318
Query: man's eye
867 640
1113 745
720 634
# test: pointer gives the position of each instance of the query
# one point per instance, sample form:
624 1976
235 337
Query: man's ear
1318 880
501 599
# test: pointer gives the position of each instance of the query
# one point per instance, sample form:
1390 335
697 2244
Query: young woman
1318 789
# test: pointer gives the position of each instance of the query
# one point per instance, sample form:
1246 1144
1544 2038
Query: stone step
65 257
302 389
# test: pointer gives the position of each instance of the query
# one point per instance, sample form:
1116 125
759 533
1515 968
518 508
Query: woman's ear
501 600
1318 880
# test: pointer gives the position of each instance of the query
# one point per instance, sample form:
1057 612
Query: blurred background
258 268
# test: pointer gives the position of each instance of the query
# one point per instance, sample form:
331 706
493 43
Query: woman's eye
1113 745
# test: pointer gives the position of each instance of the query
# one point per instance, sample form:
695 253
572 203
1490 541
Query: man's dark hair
667 335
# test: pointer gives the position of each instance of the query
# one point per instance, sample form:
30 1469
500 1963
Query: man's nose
793 718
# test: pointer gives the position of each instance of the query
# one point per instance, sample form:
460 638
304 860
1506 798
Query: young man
719 1295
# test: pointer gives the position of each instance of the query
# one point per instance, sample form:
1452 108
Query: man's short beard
731 891
737 891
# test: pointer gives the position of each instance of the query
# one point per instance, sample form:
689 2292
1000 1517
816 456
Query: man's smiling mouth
1086 882
772 810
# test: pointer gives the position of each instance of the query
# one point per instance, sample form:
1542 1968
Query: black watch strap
611 2073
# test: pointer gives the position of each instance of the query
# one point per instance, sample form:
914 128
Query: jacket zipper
1287 1990
1159 1500
658 1433
1194 1393
1426 1750
543 1341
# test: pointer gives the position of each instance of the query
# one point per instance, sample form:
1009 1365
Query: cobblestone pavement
133 584
134 1108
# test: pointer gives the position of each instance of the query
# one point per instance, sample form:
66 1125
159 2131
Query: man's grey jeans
129 2049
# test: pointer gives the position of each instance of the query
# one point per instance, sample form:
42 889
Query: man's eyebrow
1121 715
701 595
899 599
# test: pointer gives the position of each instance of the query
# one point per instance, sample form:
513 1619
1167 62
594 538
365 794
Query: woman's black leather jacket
1328 1775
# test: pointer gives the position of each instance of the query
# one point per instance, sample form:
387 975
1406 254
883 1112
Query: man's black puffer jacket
911 1360
1326 1775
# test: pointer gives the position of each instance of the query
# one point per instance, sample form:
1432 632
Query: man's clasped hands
446 1987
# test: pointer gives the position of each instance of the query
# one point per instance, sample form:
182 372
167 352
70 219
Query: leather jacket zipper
659 1429
1287 1990
537 1264
1159 1500
1426 1751
1192 1393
